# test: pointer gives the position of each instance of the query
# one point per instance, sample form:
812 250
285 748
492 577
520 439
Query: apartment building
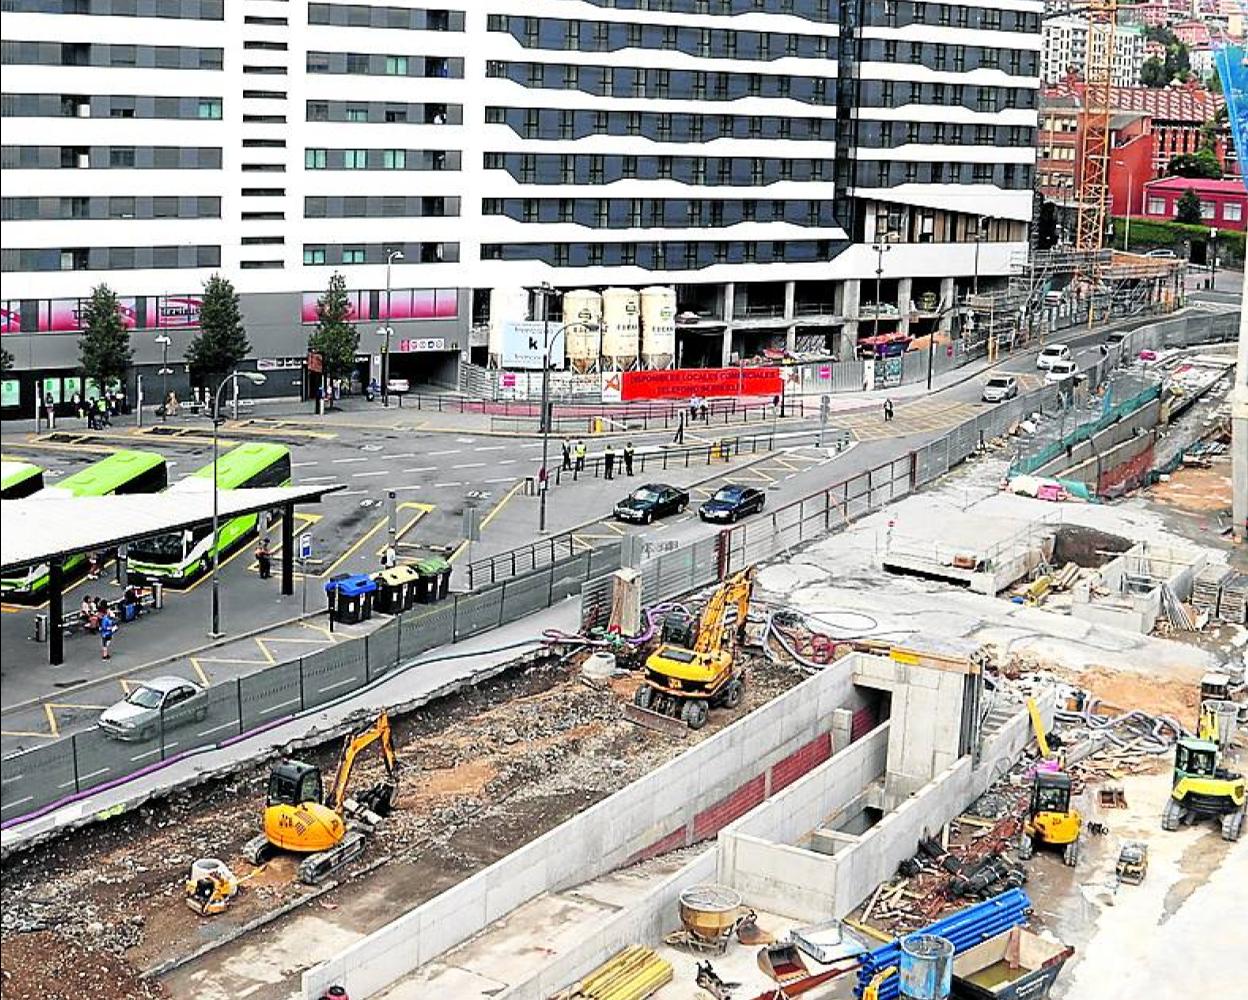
1066 50
747 153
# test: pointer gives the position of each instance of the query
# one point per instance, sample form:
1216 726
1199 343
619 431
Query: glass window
357 114
353 255
355 159
315 159
314 255
396 65
1232 212
394 159
209 108
1208 210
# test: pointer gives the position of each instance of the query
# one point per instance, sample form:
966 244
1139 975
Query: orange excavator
329 828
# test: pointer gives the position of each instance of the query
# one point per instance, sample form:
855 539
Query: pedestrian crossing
909 418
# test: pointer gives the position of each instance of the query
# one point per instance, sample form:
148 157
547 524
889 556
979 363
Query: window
357 114
394 159
315 159
317 111
123 156
920 13
314 255
982 173
395 116
396 65
916 53
1232 211
353 255
210 109
355 159
1208 210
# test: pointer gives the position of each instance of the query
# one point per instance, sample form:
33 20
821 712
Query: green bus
19 479
121 473
179 556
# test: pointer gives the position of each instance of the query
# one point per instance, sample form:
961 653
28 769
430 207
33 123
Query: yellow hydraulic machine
1202 788
1051 819
695 667
329 828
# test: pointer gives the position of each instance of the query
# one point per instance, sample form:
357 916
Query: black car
653 500
731 503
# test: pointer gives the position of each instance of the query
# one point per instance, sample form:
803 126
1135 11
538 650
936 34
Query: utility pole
544 292
881 248
387 331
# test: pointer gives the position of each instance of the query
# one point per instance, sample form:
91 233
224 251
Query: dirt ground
1196 490
1179 699
482 773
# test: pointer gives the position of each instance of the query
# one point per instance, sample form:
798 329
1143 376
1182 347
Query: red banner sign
684 383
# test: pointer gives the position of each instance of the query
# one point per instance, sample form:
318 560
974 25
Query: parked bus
19 479
179 556
121 473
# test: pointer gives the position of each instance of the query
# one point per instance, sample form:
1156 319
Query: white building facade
746 153
1066 47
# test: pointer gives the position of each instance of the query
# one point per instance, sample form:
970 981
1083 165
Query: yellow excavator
329 828
695 666
1203 787
1051 819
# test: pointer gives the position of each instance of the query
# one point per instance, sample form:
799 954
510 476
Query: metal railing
582 419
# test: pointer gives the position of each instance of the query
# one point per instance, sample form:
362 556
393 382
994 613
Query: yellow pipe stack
633 974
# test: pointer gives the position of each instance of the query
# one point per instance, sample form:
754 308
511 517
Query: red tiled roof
1183 103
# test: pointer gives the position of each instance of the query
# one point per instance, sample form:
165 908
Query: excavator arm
733 593
379 731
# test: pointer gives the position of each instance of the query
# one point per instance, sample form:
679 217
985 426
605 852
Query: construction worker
580 455
609 462
566 448
629 451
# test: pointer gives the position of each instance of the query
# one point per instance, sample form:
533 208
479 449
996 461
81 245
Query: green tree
335 339
1187 208
1201 164
104 353
222 340
1153 73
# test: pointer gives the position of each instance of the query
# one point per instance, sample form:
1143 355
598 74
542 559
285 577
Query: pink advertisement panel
66 313
308 312
177 312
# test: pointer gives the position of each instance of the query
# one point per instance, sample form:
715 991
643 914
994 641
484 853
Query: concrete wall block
504 895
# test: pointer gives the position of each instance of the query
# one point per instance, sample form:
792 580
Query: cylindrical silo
621 328
582 316
507 305
658 327
926 967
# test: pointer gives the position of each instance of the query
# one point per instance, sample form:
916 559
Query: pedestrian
101 413
629 451
566 448
680 431
888 410
108 628
694 403
93 566
264 559
93 420
389 557
608 461
580 456
79 410
706 413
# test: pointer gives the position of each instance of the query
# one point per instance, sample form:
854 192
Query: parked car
653 500
1116 337
1060 371
1051 355
1000 388
399 385
731 503
171 701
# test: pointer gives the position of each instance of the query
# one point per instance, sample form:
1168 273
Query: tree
1201 164
222 341
1187 208
104 353
1153 73
334 339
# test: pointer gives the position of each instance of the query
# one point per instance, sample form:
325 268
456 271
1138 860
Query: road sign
305 545
472 524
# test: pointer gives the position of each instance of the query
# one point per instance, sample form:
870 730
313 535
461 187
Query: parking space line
365 475
22 732
345 461
469 465
51 716
422 468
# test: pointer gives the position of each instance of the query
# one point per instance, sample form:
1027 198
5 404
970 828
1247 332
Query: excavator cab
293 782
1050 794
1051 819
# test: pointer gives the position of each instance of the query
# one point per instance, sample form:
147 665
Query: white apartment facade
747 153
1066 45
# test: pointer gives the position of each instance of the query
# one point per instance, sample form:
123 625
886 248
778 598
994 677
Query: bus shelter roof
39 530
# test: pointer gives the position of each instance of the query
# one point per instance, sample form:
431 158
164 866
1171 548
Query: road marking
344 461
417 486
424 508
501 503
316 479
337 684
450 451
47 710
225 725
504 479
280 705
509 461
365 475
469 465
406 454
492 447
22 732
148 754
29 797
422 468
302 465
437 485
350 493
95 774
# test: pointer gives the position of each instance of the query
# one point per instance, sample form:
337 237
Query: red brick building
1222 203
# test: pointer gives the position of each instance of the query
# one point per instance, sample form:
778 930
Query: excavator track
315 868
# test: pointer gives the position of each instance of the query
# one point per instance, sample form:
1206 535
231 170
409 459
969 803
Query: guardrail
565 419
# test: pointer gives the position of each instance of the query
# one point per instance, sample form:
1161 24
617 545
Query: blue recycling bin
351 597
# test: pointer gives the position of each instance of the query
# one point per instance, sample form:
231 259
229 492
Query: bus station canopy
45 529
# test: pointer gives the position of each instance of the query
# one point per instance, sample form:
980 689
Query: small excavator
329 828
1051 819
1204 788
695 666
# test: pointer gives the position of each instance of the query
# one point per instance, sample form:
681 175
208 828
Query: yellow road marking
199 672
501 503
332 637
359 543
23 732
51 715
424 508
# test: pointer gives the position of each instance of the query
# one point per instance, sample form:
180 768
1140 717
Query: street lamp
880 248
979 238
1213 257
164 373
255 378
387 331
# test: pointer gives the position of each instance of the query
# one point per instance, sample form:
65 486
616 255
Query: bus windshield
164 548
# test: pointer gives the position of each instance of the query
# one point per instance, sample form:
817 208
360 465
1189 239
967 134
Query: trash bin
355 598
396 589
434 580
331 591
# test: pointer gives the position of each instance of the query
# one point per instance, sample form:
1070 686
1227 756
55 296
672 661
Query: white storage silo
621 328
582 316
658 327
507 305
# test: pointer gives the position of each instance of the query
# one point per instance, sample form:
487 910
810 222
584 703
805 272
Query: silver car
172 701
1000 388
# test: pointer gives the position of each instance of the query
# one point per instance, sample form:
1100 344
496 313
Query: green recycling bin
396 589
434 580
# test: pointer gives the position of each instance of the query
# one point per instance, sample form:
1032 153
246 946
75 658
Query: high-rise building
747 153
1066 50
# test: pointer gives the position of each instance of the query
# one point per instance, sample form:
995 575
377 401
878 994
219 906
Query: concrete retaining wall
1084 454
688 799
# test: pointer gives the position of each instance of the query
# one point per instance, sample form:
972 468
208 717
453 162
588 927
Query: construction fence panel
524 595
596 602
273 693
847 376
857 497
478 612
568 576
38 777
331 672
102 759
220 719
605 559
675 572
914 366
424 630
380 649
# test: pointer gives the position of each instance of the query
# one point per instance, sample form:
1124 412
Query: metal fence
622 417
89 760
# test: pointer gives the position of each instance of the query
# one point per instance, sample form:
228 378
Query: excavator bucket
653 720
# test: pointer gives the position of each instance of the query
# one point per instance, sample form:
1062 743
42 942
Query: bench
74 618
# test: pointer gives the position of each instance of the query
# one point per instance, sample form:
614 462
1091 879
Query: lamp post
979 238
255 378
1213 258
387 331
880 248
164 342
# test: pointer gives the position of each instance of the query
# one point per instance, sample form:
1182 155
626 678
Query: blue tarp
1233 72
